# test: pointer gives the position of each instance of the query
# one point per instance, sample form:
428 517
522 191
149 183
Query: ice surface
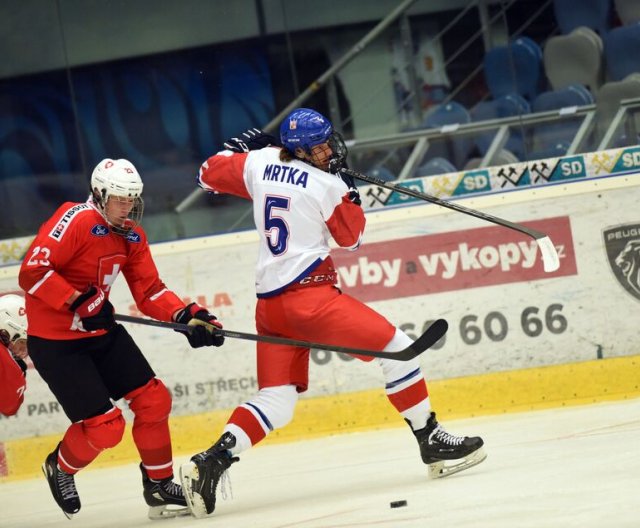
575 467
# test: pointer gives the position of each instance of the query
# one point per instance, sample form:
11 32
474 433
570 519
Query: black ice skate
446 454
201 475
63 486
164 497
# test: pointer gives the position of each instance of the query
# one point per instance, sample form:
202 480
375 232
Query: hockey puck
398 504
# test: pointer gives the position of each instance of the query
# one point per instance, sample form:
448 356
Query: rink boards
519 338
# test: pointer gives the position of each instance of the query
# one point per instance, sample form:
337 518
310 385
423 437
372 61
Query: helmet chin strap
133 220
100 207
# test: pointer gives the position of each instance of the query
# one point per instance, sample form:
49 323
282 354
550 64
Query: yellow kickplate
496 393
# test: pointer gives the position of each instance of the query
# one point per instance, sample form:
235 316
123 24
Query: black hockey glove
354 195
252 139
21 363
205 325
94 309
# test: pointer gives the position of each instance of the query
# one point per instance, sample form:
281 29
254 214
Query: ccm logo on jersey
58 231
100 230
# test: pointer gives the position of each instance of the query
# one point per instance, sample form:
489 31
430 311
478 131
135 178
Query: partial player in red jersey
13 352
87 359
300 201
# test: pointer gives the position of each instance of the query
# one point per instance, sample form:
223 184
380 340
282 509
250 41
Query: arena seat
503 157
515 68
622 51
593 14
381 173
608 100
574 58
555 138
628 11
435 166
455 149
505 106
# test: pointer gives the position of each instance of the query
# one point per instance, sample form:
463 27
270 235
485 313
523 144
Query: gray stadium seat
608 99
628 11
574 58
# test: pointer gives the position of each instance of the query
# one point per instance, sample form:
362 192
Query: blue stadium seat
454 148
622 51
572 95
515 68
553 139
447 114
381 173
435 166
506 106
593 14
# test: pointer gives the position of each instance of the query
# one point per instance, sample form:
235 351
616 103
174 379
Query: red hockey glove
205 325
94 309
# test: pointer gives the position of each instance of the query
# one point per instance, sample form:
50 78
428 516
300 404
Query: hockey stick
550 259
426 340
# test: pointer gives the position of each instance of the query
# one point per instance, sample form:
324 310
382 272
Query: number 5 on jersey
275 227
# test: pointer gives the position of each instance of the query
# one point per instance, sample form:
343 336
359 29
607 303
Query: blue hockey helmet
304 128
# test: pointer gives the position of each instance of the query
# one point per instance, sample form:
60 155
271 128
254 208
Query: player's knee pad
277 404
105 430
151 402
396 370
398 342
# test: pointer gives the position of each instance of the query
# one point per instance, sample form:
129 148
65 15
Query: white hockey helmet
13 318
118 178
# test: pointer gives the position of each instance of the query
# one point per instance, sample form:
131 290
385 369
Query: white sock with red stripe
405 385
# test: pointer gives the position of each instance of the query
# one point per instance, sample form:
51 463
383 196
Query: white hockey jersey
296 208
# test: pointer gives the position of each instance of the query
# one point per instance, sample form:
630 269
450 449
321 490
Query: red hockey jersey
12 383
75 249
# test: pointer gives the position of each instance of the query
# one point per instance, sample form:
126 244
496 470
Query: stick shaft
428 339
550 258
449 205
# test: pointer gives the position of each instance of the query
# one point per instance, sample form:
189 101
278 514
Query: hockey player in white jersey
300 202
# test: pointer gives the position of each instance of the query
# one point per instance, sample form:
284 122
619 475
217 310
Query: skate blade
441 470
189 475
157 513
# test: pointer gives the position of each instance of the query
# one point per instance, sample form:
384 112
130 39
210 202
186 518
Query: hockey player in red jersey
13 352
87 359
300 201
